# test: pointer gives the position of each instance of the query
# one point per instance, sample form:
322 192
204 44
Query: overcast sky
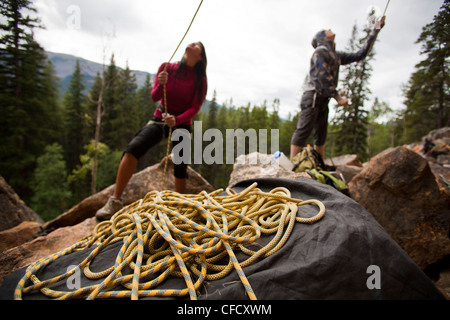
257 49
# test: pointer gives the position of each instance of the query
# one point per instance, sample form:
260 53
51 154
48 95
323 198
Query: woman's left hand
170 120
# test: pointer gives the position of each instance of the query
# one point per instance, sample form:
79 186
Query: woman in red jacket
186 87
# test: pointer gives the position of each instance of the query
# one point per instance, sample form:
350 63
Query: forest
58 149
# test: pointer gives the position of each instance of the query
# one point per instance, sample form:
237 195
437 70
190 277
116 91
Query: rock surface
21 256
13 211
19 234
399 189
258 165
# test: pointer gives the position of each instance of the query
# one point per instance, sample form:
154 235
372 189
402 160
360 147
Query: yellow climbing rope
189 236
165 93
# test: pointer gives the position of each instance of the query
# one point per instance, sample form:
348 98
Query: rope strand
165 94
166 234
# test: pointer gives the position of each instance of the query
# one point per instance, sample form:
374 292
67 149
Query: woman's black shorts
152 134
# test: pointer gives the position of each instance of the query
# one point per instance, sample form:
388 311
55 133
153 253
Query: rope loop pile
167 234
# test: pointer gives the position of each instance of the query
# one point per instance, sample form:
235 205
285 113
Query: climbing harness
167 234
165 94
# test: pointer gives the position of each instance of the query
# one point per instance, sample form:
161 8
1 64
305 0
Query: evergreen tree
74 102
146 106
427 94
379 135
51 191
108 134
259 117
223 119
274 122
286 129
96 107
28 98
352 120
209 171
82 176
274 119
123 110
212 113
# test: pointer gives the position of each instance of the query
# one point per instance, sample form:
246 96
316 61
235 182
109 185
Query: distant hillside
65 66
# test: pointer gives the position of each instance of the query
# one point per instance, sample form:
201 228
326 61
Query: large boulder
441 133
13 210
399 189
31 251
26 231
139 185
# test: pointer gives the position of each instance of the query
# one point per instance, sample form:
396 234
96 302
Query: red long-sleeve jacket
183 100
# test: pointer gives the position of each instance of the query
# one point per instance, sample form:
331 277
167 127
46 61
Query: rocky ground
407 191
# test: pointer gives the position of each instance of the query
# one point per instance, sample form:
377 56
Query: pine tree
125 110
146 106
427 95
212 113
28 98
74 102
352 120
110 76
209 171
379 135
51 191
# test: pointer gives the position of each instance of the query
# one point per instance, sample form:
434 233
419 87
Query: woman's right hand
163 77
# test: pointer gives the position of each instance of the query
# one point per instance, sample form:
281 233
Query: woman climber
186 87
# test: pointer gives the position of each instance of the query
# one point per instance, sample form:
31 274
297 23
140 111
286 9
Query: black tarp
328 259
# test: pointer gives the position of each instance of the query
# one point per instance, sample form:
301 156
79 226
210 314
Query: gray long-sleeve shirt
325 63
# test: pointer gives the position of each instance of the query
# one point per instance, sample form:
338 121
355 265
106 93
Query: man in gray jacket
321 87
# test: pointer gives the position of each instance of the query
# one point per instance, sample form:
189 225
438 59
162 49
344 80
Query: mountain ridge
64 65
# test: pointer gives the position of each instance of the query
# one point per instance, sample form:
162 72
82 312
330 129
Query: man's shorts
313 116
152 134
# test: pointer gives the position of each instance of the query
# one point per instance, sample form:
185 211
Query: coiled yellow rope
167 234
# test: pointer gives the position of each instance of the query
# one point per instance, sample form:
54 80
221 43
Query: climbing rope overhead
166 235
165 92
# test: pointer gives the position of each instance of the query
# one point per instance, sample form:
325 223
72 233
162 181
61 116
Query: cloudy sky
257 49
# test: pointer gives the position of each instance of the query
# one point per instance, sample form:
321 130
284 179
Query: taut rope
165 94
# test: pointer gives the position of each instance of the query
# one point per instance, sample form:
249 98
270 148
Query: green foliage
30 112
87 160
51 190
351 122
80 178
228 116
75 111
380 136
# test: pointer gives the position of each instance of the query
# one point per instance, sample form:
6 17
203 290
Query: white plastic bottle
283 160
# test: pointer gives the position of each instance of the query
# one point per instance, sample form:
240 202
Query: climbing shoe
112 206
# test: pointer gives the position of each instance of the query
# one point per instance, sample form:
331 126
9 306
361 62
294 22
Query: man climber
321 87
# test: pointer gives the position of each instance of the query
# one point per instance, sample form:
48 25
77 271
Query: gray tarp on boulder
325 260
